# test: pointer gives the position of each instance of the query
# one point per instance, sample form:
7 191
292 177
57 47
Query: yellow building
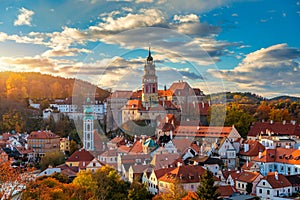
64 144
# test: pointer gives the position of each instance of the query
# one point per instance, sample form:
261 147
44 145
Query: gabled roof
226 190
160 172
185 174
182 144
294 180
254 148
203 131
109 153
226 173
280 183
164 160
80 156
136 148
275 127
139 169
118 140
282 155
247 177
42 135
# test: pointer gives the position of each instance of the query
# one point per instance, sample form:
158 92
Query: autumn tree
53 158
207 190
16 87
12 179
109 184
175 191
138 191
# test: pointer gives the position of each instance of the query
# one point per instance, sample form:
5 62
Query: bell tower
149 83
88 127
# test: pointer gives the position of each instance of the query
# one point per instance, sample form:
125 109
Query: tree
12 179
207 190
138 191
109 184
175 192
249 188
44 104
52 158
73 147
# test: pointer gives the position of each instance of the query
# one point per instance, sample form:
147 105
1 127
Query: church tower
149 83
88 128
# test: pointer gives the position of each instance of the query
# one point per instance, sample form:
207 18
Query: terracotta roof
250 164
280 183
109 153
168 105
136 94
136 148
81 155
123 149
184 88
282 155
160 172
134 105
42 135
5 136
226 190
294 180
248 177
163 160
203 131
23 150
185 173
117 140
182 144
226 173
254 148
139 168
275 127
99 142
165 93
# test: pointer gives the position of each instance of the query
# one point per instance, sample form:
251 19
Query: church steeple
149 83
149 58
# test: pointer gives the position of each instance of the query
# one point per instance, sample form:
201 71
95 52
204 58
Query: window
260 191
192 187
268 192
263 183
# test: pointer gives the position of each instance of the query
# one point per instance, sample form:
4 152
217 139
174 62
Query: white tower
88 128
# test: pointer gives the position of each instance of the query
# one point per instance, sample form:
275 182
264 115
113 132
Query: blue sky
229 45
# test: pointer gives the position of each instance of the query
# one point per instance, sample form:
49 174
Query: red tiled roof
160 172
164 160
109 153
254 148
134 104
165 93
80 156
117 140
275 127
185 173
124 148
23 150
225 190
5 136
226 173
136 148
139 169
280 183
42 135
281 155
182 144
247 177
203 131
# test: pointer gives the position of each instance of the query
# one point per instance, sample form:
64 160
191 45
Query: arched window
88 127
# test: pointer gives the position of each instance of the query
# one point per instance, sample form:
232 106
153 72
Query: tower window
88 127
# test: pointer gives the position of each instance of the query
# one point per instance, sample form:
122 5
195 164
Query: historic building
149 83
88 128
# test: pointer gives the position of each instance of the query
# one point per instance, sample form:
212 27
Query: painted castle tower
149 83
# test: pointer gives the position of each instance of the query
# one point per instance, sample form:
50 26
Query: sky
217 45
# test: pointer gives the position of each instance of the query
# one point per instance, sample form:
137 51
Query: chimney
283 122
276 175
202 104
293 122
179 164
171 134
260 154
271 121
247 163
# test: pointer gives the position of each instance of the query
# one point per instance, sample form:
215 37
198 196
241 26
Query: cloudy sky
217 45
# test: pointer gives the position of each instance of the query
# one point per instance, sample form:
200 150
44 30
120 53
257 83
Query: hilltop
33 85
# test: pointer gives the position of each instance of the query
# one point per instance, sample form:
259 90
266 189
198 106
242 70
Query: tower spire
149 58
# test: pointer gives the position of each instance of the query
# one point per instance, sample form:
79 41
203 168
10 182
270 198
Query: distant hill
242 97
18 85
285 97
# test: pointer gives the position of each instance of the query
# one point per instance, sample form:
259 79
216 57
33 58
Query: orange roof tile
226 190
254 148
282 155
275 127
81 155
203 131
248 177
42 135
280 183
136 148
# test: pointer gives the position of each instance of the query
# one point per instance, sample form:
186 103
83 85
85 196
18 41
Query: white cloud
271 69
186 18
24 18
144 1
234 15
58 52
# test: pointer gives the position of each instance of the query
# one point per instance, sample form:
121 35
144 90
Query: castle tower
149 83
88 128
